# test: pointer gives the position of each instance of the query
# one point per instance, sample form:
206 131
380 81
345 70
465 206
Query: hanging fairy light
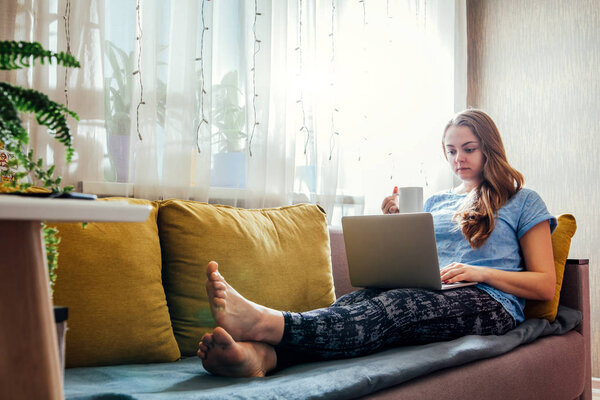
67 20
364 8
138 71
300 101
257 43
334 110
423 14
364 49
203 117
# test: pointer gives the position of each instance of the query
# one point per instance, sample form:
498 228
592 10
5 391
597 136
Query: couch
553 367
543 360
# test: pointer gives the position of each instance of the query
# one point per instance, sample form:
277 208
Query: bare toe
219 303
210 269
238 359
207 340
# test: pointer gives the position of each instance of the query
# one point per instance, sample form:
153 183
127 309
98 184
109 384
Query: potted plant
19 163
229 118
117 106
117 110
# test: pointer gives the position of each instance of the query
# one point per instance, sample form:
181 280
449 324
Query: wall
535 67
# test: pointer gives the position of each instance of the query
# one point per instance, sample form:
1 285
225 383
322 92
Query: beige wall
535 67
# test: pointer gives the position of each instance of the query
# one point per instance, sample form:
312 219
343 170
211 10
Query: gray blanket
340 379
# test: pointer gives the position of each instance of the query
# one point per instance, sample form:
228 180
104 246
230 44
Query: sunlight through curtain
254 103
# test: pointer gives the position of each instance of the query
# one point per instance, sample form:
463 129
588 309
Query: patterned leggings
369 320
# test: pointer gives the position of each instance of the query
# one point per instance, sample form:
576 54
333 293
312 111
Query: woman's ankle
270 330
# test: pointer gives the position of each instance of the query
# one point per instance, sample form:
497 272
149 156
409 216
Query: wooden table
29 360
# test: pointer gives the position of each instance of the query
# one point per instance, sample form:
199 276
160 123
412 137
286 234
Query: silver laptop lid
392 251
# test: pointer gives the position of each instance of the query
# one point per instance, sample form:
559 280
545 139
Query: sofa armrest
339 263
575 293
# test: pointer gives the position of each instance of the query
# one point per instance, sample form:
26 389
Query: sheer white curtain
255 103
402 77
223 74
44 21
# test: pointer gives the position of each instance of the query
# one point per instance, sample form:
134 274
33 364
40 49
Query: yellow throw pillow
32 189
561 242
276 257
109 276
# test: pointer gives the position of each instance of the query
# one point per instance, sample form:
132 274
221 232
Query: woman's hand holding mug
391 204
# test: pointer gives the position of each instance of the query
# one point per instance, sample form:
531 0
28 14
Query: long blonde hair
500 181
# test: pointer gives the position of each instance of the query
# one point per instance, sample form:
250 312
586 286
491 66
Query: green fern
17 55
52 241
47 112
15 99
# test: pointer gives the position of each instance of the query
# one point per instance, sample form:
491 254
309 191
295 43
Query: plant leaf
17 55
47 112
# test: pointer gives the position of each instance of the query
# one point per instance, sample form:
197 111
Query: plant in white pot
119 85
229 119
117 105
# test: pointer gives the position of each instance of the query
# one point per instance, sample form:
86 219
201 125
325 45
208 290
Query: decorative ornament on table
7 174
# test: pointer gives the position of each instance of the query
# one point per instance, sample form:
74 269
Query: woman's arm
537 282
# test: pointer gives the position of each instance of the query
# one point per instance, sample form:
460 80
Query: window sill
108 189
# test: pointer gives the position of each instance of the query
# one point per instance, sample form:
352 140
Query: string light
203 118
332 85
425 15
67 19
254 94
365 57
364 7
424 174
417 8
301 100
360 147
138 72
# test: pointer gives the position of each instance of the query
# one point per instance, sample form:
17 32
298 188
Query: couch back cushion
561 242
109 276
276 257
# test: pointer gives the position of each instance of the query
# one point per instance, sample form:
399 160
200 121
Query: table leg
29 361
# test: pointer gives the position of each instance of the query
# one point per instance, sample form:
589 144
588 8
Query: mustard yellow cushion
561 242
276 257
109 276
32 189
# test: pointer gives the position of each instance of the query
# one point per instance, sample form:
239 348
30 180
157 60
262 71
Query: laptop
393 251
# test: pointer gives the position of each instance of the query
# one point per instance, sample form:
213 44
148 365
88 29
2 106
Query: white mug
410 199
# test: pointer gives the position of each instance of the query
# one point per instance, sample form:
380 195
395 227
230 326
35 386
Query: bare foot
221 355
243 319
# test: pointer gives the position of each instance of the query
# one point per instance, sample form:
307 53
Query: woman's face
464 154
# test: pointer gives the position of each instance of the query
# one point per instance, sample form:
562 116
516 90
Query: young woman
489 230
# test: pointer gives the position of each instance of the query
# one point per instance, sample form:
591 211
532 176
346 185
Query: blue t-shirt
501 250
